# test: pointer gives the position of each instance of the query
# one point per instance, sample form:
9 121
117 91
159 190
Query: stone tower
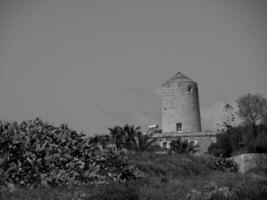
180 105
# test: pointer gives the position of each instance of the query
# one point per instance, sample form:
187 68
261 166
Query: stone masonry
180 104
181 114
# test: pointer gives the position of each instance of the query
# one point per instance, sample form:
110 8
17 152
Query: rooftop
178 78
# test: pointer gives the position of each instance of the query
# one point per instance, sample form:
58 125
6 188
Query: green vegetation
248 137
131 138
35 153
183 146
168 176
252 109
45 162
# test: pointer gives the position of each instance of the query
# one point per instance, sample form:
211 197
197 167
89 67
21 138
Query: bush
228 186
223 164
240 139
182 146
111 191
169 176
259 144
37 153
216 192
227 143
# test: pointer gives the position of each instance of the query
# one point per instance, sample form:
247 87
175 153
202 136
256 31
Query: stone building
180 114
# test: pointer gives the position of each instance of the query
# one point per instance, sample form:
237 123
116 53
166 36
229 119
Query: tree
230 139
143 142
131 138
118 136
252 109
131 133
100 140
230 120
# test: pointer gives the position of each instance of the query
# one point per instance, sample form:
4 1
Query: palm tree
143 142
131 133
100 140
131 138
118 136
136 140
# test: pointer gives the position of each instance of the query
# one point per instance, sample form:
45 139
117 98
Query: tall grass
170 165
168 177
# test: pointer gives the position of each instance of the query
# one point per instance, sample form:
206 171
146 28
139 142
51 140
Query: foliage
169 176
238 140
252 109
37 153
118 136
227 143
143 142
131 138
230 138
258 144
249 137
220 148
183 146
177 176
101 141
230 120
169 165
213 191
223 164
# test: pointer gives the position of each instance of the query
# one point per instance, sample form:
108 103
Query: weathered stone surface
249 161
180 104
203 139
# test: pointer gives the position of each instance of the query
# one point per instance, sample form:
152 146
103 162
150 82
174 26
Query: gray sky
96 64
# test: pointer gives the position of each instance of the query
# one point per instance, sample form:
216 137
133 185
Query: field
169 176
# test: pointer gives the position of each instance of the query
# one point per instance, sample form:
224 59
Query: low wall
249 161
203 139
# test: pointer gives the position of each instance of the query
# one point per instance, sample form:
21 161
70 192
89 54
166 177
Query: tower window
189 89
179 127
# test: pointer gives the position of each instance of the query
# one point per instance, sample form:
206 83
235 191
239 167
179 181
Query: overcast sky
98 63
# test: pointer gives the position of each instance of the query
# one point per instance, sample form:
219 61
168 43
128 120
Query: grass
170 165
166 177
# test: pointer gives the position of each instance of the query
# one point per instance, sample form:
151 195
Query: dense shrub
223 164
37 153
216 192
182 146
228 142
259 144
222 147
169 176
228 186
238 140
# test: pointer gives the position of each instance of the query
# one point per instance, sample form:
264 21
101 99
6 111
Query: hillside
169 176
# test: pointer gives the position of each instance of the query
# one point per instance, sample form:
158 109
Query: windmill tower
180 105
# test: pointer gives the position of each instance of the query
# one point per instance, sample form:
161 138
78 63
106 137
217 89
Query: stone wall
204 139
249 161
